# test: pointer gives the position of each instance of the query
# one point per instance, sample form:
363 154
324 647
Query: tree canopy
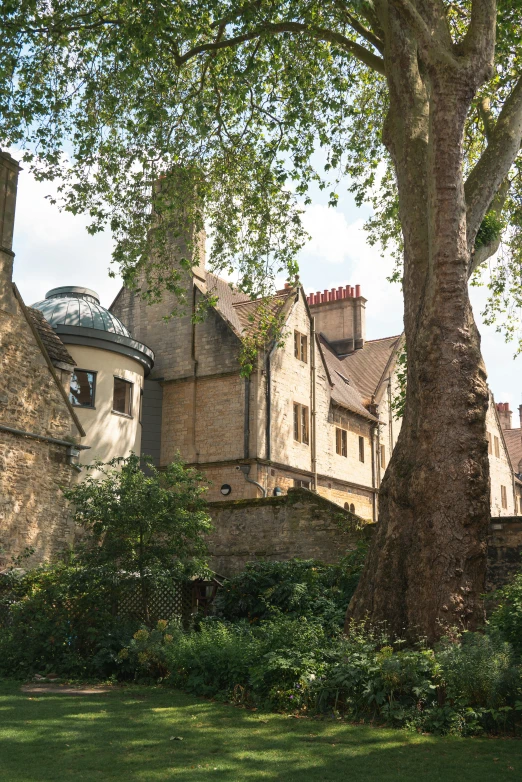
106 97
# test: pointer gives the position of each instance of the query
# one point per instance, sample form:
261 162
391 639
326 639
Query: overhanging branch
493 167
318 33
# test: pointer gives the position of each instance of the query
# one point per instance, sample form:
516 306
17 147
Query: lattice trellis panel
172 601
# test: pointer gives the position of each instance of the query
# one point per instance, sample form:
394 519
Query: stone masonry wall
300 524
33 511
304 525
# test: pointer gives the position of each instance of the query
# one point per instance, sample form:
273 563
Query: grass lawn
126 735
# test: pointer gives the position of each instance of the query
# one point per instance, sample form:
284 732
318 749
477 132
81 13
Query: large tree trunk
427 564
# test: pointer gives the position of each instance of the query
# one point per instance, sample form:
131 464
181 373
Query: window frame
497 446
131 384
301 421
94 373
341 441
301 346
503 496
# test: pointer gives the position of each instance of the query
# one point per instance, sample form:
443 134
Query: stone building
512 439
39 429
316 411
106 384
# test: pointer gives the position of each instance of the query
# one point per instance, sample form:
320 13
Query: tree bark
427 564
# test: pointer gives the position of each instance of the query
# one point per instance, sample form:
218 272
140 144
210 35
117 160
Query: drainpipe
245 469
71 447
313 405
374 495
390 415
268 408
246 426
195 454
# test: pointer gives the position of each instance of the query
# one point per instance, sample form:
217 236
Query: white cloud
53 248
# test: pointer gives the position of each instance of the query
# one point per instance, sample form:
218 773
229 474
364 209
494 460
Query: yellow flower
162 624
169 638
141 635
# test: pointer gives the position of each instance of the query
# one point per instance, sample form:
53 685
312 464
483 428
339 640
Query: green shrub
506 619
61 618
465 687
295 588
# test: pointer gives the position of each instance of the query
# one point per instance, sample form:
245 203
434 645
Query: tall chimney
504 415
340 316
9 169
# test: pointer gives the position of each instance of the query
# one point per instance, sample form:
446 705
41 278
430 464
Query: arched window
352 508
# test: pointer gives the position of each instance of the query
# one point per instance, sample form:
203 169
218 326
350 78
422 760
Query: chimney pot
351 291
357 291
333 294
340 293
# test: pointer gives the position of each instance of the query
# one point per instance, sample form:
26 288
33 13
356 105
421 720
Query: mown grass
127 734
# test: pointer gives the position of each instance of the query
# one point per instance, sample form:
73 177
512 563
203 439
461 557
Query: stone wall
304 525
299 524
504 550
33 511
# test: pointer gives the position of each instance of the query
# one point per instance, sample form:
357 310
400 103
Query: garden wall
298 524
305 525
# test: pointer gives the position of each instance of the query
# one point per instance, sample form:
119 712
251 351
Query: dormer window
301 346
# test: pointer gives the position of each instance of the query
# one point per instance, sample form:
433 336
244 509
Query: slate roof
54 346
365 367
344 392
513 438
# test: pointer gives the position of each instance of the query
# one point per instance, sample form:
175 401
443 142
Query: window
140 419
82 389
490 447
503 496
301 427
122 397
361 449
497 447
341 441
301 346
299 484
352 507
383 457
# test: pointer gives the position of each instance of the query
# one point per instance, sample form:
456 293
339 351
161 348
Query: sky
53 248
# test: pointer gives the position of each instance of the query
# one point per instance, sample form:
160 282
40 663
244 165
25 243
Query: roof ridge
381 339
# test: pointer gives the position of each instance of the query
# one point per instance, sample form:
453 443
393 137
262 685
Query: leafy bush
295 588
465 686
61 618
506 619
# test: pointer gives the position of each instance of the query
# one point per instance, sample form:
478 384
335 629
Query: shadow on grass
133 734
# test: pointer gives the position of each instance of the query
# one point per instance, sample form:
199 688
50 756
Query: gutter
43 438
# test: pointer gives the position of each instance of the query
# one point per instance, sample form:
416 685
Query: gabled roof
365 367
513 438
237 308
343 392
54 346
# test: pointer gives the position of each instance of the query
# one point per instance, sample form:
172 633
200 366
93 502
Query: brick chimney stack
340 315
9 169
504 415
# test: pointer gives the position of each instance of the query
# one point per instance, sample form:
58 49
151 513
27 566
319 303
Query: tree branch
356 25
318 33
479 41
484 252
493 167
